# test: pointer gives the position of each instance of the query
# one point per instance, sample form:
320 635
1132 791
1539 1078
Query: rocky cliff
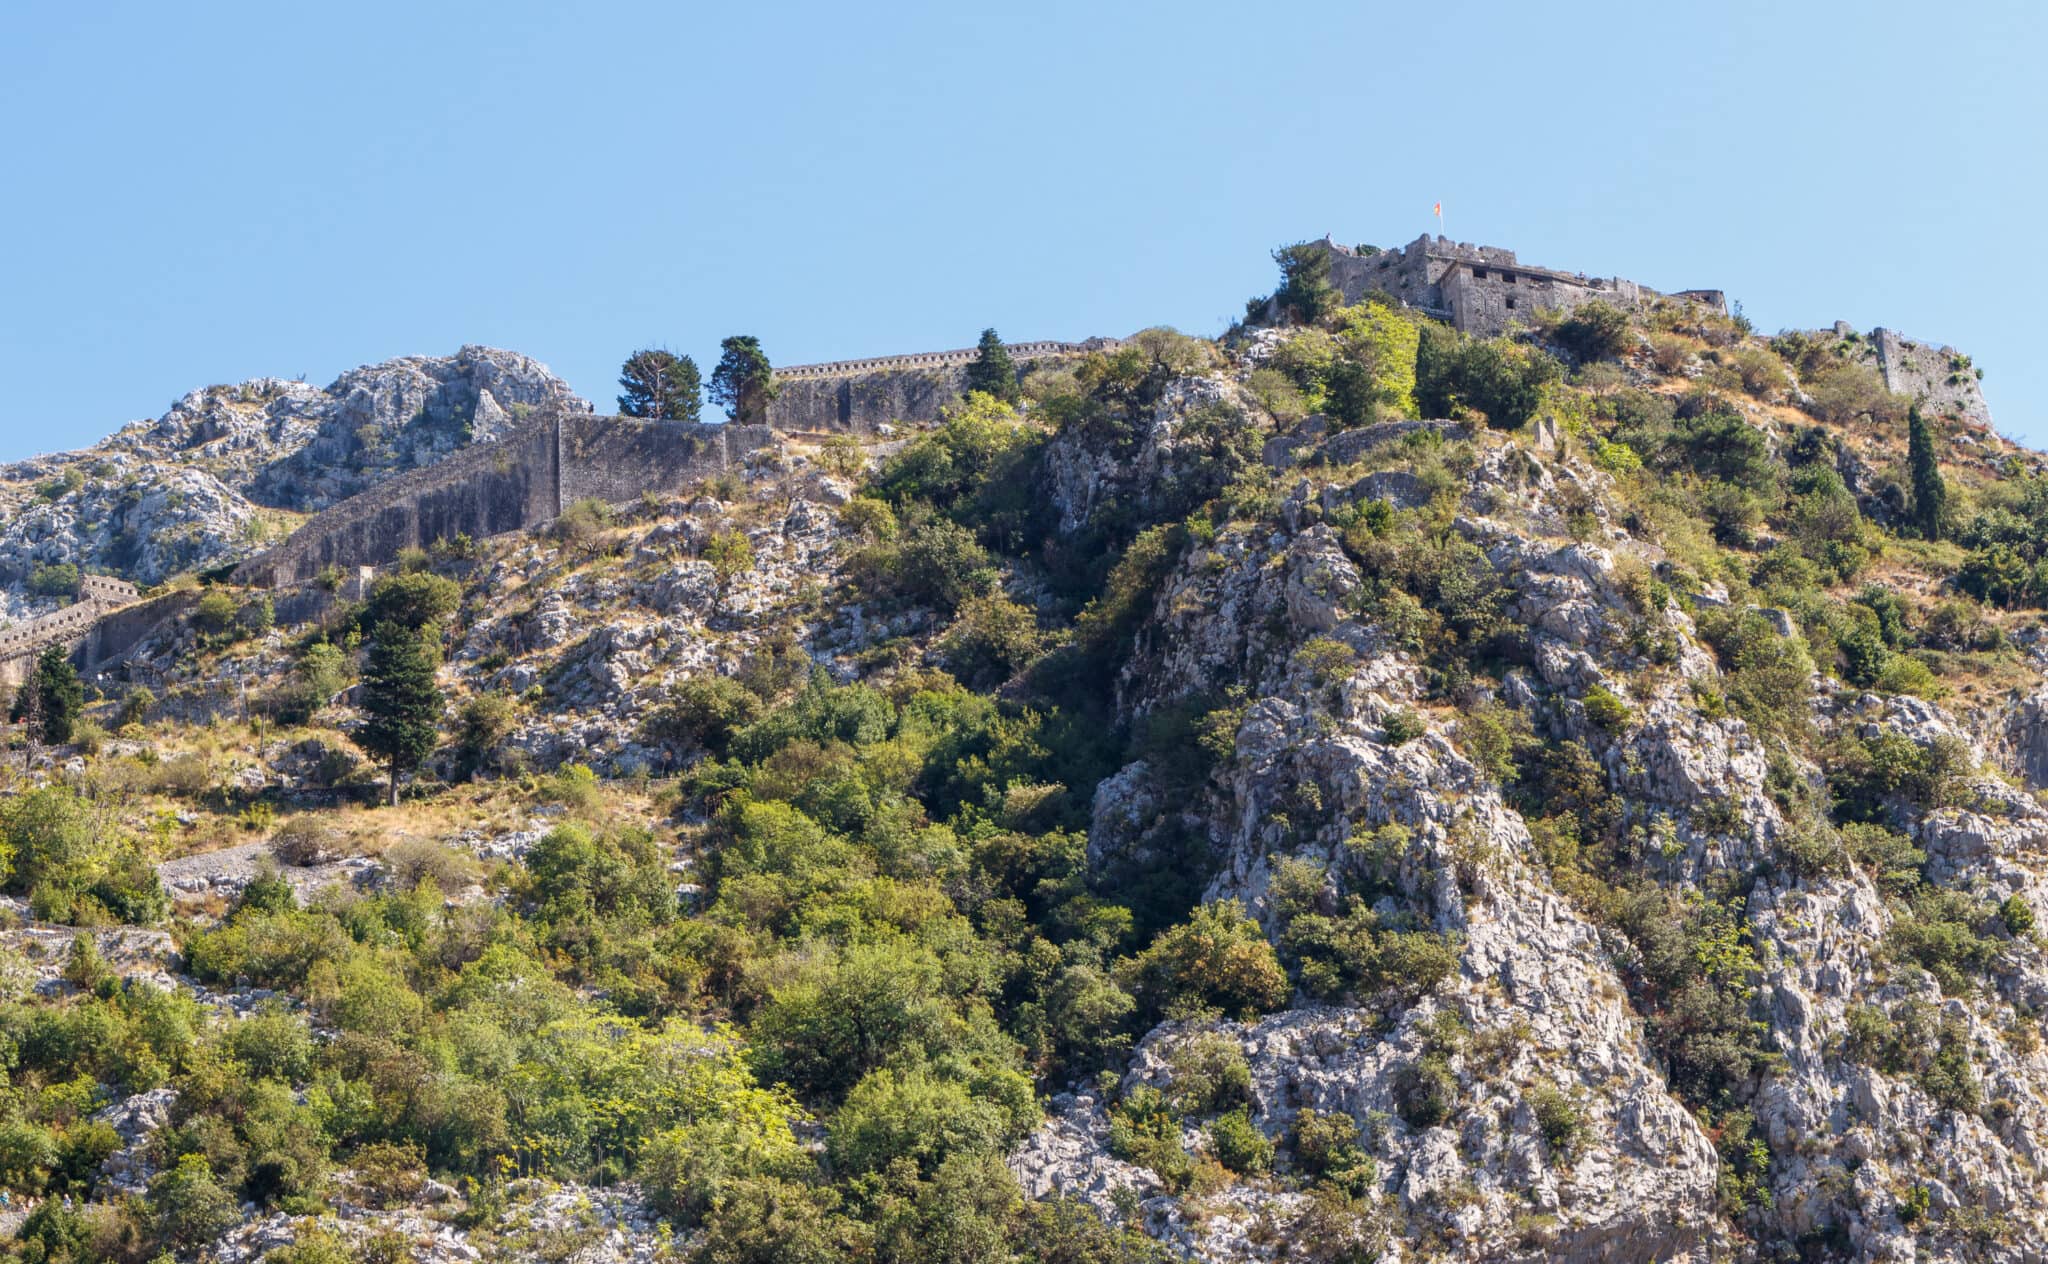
229 469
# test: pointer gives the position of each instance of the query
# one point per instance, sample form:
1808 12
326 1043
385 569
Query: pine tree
1305 290
401 700
744 382
1930 492
993 372
660 384
50 701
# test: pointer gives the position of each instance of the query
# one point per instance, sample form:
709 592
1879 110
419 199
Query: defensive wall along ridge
861 396
529 476
508 484
1019 351
98 596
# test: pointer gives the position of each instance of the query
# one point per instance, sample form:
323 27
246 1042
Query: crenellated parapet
98 596
863 396
1482 289
1019 351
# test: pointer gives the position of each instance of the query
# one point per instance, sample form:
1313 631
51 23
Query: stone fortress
1482 289
557 458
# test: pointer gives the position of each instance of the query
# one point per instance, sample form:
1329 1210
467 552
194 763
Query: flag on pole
1437 210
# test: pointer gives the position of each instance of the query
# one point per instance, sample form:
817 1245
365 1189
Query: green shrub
705 710
916 1116
1402 725
192 1208
1560 1120
59 579
991 640
1144 1129
1236 1143
1327 1148
1209 1075
1352 954
414 601
1425 1091
1218 959
1606 709
2017 915
1943 932
1596 331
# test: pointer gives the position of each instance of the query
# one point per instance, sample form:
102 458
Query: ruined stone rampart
1482 289
119 631
858 396
1942 378
98 595
519 481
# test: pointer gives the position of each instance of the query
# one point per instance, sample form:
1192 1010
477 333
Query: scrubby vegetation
810 959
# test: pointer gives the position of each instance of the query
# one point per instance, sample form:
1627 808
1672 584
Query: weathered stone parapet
861 396
519 481
1942 379
1482 289
98 597
940 359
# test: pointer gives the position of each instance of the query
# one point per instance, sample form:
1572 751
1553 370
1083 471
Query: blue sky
206 192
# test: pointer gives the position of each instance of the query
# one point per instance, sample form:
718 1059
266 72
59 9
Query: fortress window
1509 277
1479 274
1511 305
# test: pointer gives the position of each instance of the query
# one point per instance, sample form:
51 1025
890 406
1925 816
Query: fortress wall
506 485
120 631
859 404
481 490
857 396
1941 377
615 459
1019 351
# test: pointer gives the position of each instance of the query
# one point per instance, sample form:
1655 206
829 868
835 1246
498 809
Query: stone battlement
98 596
521 480
1482 289
1019 351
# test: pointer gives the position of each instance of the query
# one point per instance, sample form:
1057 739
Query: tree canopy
744 382
656 383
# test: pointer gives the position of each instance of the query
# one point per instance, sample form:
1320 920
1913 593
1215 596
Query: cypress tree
744 382
401 700
52 698
993 372
1930 493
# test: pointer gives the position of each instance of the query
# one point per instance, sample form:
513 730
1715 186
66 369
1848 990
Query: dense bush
1595 331
1217 960
73 863
1503 381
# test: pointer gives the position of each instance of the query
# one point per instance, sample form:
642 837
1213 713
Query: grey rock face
190 489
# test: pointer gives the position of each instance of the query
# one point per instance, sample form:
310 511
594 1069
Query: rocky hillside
1343 791
230 468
